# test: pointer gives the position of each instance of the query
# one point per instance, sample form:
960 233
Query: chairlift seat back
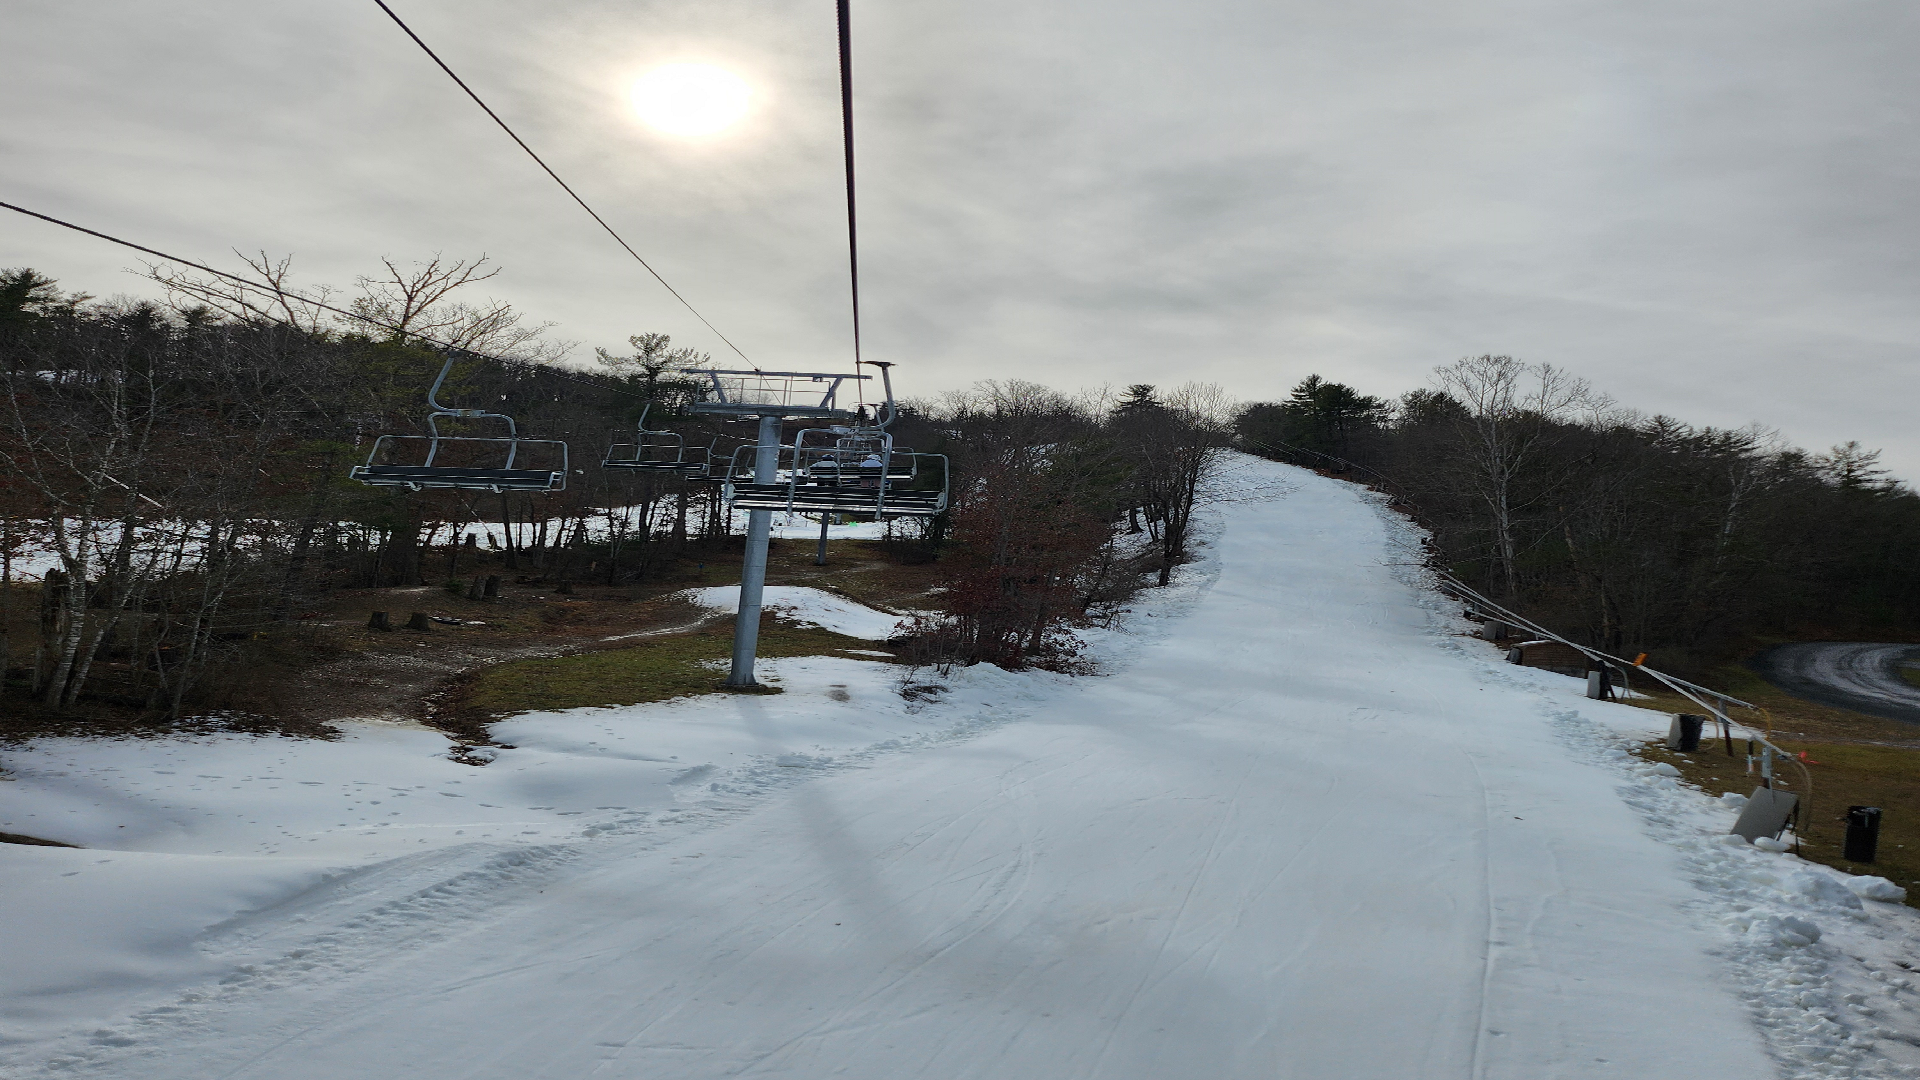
837 499
614 461
436 471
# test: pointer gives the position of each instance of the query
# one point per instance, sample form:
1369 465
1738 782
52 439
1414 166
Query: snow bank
810 607
1825 979
85 930
185 836
802 527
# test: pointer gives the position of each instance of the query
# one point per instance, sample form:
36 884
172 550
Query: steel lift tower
774 397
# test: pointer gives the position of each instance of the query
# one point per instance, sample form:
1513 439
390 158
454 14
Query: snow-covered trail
1297 834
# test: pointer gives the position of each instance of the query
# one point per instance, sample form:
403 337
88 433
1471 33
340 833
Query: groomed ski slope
1302 830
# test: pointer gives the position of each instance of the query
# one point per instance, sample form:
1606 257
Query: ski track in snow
1045 877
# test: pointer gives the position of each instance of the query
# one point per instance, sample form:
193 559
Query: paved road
1860 675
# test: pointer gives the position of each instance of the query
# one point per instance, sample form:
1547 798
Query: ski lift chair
852 453
821 484
459 461
654 451
712 460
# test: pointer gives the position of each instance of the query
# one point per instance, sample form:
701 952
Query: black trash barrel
1690 728
1684 734
1863 833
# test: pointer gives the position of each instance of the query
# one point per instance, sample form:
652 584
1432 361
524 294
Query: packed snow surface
1301 827
811 607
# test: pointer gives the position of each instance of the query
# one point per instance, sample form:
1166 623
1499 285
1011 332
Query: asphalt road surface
1860 675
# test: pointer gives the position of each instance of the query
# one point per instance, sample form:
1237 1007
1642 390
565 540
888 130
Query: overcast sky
1706 208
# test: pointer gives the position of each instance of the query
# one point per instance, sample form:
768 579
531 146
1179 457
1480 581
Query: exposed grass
1781 711
656 669
1847 759
1843 775
1911 673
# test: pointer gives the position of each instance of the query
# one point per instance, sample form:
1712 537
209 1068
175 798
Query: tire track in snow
1480 1032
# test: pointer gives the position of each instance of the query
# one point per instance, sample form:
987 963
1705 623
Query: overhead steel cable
564 186
271 289
846 132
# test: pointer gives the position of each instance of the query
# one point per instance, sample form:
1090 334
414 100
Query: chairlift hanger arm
886 381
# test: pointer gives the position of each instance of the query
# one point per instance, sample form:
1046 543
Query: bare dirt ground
332 668
402 676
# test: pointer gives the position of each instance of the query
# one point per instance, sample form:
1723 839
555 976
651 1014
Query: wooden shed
1551 655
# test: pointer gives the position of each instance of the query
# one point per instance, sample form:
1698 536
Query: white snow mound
1868 887
809 607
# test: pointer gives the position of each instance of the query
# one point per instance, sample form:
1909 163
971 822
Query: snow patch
808 607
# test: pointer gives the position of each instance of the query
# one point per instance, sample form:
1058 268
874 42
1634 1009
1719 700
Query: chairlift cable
846 131
274 290
564 186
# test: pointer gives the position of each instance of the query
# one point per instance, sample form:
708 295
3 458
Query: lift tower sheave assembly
773 397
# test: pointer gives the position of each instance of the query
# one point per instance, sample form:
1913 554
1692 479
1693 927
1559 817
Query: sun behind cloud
690 99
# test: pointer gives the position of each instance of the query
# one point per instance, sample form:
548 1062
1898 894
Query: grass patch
656 669
1843 775
1781 711
1911 673
1848 763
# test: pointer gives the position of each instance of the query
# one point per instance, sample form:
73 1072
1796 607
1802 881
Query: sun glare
690 99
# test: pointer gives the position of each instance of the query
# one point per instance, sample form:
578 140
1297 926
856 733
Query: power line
275 290
563 184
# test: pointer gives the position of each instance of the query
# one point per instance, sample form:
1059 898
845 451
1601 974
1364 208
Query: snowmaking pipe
1691 691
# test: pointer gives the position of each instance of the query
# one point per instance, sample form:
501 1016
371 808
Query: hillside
1299 825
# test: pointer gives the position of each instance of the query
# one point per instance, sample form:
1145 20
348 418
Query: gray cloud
1706 208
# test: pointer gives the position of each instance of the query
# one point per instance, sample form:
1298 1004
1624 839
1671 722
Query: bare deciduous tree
1512 415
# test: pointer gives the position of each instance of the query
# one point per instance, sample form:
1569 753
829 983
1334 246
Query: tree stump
565 588
419 621
478 589
492 591
379 621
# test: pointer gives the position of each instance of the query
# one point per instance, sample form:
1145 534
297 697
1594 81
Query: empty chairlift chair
460 461
658 452
844 470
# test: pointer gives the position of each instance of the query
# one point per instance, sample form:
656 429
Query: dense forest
1633 533
181 471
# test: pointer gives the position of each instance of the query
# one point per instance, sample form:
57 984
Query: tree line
1632 533
1063 507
